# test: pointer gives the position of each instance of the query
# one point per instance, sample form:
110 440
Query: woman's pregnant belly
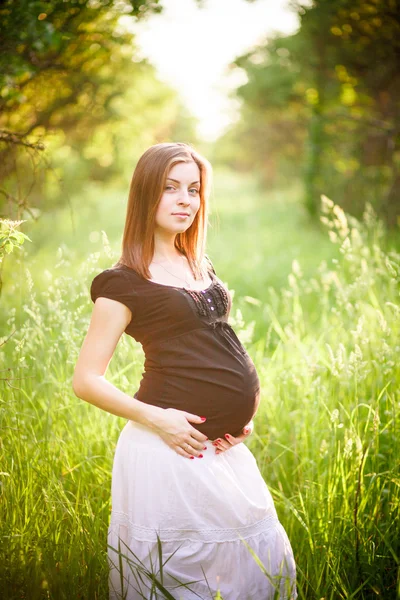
216 380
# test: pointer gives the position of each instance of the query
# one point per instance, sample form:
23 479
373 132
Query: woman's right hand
174 427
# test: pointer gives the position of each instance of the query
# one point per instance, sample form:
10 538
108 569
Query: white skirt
193 527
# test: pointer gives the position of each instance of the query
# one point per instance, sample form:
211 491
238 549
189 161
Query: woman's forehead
185 171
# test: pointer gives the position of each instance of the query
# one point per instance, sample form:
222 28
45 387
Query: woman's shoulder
111 275
112 282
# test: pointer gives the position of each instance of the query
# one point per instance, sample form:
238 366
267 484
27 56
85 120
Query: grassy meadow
318 310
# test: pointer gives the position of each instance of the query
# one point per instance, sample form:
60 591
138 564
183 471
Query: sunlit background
297 107
192 48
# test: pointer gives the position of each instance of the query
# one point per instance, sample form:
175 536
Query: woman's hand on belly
221 445
173 426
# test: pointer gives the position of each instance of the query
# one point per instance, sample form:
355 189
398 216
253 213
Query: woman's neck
172 258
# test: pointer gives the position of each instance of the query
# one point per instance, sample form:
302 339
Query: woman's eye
192 190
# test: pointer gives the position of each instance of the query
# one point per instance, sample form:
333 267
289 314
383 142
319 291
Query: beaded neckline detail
210 303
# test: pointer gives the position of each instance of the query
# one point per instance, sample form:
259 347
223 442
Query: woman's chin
174 230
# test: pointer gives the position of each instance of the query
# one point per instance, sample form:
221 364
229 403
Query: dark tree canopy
62 64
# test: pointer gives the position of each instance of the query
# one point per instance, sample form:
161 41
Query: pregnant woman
189 504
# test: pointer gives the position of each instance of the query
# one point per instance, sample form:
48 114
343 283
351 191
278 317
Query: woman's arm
109 320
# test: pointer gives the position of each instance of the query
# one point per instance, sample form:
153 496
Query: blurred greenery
327 428
315 289
274 230
323 105
77 102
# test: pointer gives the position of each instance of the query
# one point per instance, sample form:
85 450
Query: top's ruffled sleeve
115 285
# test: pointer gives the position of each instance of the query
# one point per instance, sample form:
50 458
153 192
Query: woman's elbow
85 384
78 385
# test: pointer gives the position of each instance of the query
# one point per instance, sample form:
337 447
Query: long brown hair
145 193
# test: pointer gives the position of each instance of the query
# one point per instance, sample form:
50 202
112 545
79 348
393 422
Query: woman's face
181 195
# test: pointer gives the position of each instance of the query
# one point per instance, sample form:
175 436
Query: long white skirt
193 527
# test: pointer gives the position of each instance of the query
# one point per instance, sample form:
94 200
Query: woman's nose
184 197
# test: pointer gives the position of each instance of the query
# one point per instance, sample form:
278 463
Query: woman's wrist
147 414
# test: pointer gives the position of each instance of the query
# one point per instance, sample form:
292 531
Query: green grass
324 335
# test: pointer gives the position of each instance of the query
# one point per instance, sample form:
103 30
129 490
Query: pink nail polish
191 457
200 456
227 436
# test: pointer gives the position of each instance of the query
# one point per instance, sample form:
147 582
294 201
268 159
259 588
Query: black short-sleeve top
194 360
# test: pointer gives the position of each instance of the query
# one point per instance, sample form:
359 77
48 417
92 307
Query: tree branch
10 137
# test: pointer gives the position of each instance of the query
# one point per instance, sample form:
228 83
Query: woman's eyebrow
177 181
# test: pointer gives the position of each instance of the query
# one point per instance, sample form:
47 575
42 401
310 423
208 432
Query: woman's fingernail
246 430
203 418
191 457
200 456
227 436
205 448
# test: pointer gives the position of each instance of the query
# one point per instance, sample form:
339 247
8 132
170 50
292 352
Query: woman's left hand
224 444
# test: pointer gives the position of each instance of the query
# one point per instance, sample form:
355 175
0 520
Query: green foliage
70 77
10 238
274 116
57 55
324 105
326 434
38 34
